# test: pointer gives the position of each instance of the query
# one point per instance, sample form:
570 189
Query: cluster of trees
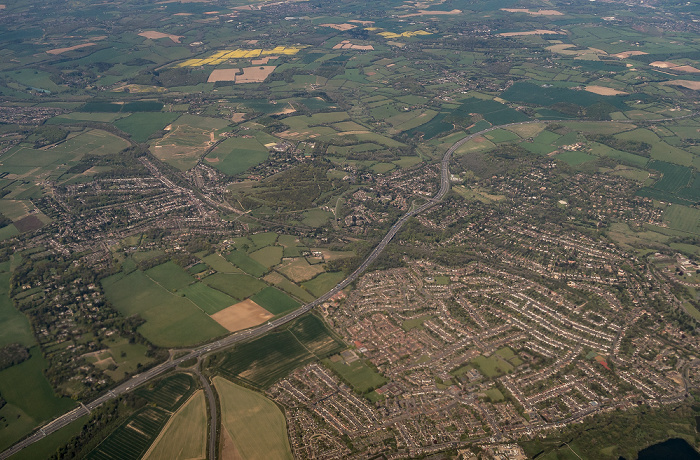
626 145
178 76
12 354
48 135
122 164
295 189
4 220
102 421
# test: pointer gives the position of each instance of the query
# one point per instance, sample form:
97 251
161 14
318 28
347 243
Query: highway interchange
140 379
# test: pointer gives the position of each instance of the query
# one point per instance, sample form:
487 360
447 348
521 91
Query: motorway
249 334
213 411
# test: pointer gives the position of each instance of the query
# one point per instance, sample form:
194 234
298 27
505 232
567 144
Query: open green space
169 392
416 322
255 425
494 395
260 240
15 326
298 292
170 276
275 301
323 283
29 403
142 125
359 375
208 299
492 366
683 218
238 285
220 264
269 358
131 440
236 155
120 358
678 184
247 264
47 446
171 320
575 158
268 256
185 435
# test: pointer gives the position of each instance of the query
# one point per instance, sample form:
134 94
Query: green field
208 299
46 447
495 395
298 292
220 264
170 276
132 439
171 320
323 283
316 337
127 357
197 269
433 128
575 158
493 366
142 125
246 263
169 392
260 240
57 160
15 326
359 375
415 322
683 218
8 232
268 256
678 184
275 301
254 423
316 217
618 155
237 285
263 361
29 403
236 155
501 135
185 435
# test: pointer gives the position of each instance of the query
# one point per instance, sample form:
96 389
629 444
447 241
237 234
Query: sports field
254 423
359 375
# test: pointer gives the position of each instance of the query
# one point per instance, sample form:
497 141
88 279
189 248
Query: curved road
248 334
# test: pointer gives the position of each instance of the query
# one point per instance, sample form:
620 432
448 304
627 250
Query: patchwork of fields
258 279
